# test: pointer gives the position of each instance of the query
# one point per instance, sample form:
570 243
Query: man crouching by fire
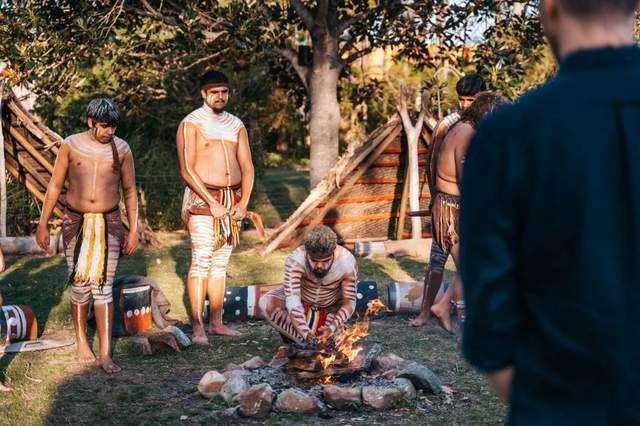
319 291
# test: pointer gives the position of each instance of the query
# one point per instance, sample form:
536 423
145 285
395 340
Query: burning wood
336 357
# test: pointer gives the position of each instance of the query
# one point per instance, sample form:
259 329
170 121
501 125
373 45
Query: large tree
153 49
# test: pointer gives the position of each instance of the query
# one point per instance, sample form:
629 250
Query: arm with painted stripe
186 143
248 174
56 184
130 201
293 273
349 292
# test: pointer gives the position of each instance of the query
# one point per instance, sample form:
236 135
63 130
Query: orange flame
352 335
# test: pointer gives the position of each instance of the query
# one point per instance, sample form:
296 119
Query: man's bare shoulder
122 146
460 134
297 256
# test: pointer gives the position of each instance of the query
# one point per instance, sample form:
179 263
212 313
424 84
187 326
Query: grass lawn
50 387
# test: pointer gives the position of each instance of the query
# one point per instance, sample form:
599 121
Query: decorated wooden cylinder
136 309
406 297
243 303
17 322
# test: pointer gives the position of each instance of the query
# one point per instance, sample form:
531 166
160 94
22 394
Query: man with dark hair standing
550 229
94 163
215 161
467 88
319 291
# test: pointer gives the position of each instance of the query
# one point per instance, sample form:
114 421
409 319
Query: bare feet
85 355
223 330
109 366
422 319
443 315
4 388
199 336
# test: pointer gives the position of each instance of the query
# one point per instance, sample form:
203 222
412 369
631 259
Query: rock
161 340
256 402
211 383
390 374
389 361
231 366
380 397
341 397
253 363
406 387
234 386
422 378
296 401
236 372
182 338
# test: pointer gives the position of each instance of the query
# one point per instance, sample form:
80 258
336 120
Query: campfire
306 379
331 358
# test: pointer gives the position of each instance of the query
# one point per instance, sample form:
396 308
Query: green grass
52 388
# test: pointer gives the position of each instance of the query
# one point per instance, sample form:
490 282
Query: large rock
341 397
422 378
253 363
234 386
296 401
406 387
389 361
256 402
237 372
211 383
380 397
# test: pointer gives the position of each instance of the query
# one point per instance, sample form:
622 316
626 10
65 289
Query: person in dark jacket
550 229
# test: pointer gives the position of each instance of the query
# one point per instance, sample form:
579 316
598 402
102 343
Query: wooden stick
31 150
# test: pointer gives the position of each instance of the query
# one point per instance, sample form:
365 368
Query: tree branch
304 13
352 20
322 13
301 70
357 55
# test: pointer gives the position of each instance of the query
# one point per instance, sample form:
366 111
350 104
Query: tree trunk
3 176
325 109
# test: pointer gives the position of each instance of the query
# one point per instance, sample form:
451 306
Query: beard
217 108
320 273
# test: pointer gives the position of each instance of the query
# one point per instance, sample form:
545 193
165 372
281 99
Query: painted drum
17 322
243 303
136 309
406 297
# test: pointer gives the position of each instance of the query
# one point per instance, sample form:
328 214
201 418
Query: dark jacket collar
584 60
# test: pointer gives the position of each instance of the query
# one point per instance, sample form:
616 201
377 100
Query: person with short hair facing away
215 162
467 88
319 291
550 229
96 164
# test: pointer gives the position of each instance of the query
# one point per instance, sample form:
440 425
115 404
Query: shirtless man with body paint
95 163
215 161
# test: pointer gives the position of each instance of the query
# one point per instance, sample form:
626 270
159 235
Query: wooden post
413 132
3 174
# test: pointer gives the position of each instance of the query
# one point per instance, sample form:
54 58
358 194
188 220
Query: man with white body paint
215 161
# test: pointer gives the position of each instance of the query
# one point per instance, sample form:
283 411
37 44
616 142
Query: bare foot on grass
85 355
443 315
109 366
223 330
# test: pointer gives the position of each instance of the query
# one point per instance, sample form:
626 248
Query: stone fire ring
257 387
